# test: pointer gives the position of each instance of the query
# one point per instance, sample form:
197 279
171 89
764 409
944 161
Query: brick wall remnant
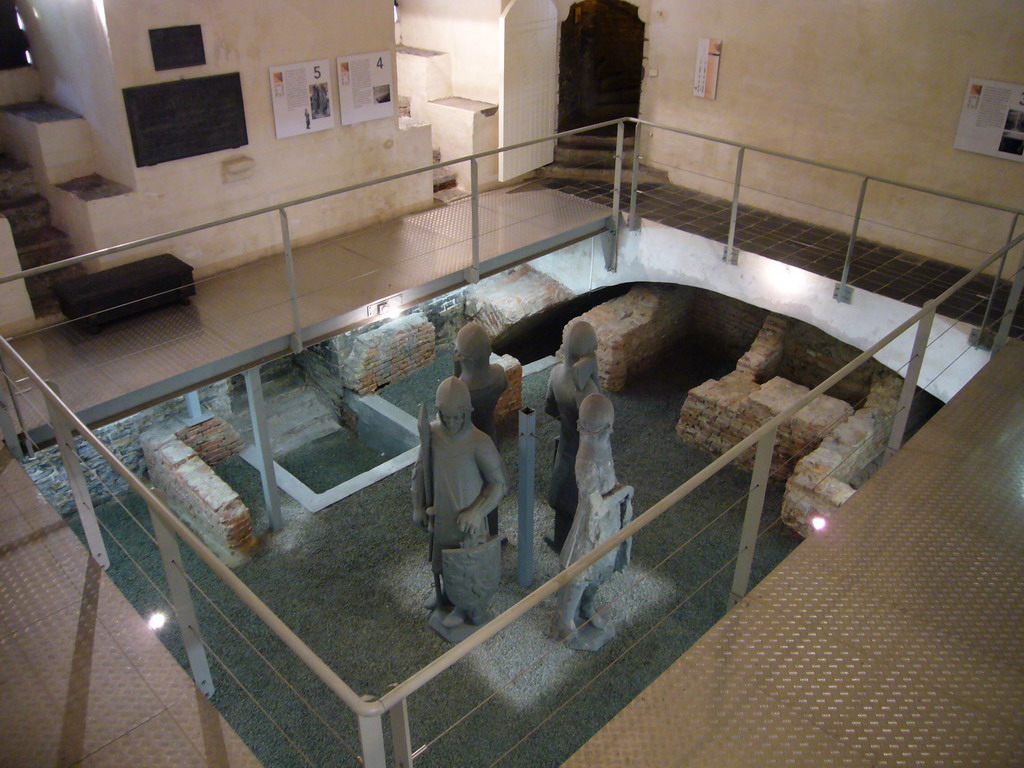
205 502
723 325
764 357
214 440
826 478
388 353
506 412
502 301
635 330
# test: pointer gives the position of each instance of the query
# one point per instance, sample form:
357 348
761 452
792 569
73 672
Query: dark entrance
600 63
13 43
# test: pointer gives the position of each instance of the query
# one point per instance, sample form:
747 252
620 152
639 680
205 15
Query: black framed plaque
177 47
184 118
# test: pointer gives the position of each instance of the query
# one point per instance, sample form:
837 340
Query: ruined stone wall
635 330
506 412
512 298
205 502
724 325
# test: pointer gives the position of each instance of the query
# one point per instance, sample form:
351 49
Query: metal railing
370 710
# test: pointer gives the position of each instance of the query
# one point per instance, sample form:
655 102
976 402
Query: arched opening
600 63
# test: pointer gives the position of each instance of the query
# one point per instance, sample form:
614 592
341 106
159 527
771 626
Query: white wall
867 85
81 71
468 31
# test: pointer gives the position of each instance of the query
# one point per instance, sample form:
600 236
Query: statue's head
596 414
453 404
472 343
580 341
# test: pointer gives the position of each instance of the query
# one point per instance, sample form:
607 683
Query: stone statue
486 383
571 381
605 506
457 481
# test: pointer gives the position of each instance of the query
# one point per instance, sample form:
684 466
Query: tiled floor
876 268
892 639
83 679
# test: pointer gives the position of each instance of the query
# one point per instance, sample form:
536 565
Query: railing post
8 396
843 293
261 441
979 336
181 599
1011 305
371 740
76 481
296 338
634 220
527 463
401 739
752 518
731 255
7 427
620 139
899 421
473 273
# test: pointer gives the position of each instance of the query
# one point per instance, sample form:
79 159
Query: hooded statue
571 381
605 506
457 481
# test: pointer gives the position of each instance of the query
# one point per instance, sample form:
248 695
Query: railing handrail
235 584
420 678
828 166
92 255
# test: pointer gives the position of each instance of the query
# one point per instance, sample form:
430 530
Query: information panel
992 120
176 47
301 94
365 87
184 118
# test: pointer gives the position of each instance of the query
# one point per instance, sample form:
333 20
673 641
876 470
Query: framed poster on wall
365 87
301 95
992 120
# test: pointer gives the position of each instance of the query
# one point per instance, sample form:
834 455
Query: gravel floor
351 581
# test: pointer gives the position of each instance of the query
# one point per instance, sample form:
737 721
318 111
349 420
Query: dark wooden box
100 297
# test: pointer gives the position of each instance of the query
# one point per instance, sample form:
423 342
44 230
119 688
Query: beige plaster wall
82 72
871 86
467 31
21 84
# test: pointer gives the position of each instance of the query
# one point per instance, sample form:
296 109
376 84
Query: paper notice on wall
705 78
365 87
992 120
301 95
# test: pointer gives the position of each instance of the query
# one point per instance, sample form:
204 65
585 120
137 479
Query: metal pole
181 599
899 421
752 518
731 255
296 338
620 136
473 273
1011 306
401 739
371 739
634 220
843 293
6 387
261 441
76 481
10 432
527 465
979 337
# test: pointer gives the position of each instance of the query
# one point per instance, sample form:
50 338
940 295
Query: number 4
380 63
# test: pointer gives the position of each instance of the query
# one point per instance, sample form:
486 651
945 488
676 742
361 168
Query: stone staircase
36 240
589 157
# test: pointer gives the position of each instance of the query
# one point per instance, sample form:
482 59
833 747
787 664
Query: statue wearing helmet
457 481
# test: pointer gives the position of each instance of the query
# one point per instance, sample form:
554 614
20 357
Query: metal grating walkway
895 638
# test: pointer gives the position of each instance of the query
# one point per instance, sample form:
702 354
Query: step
591 158
37 247
646 175
26 214
16 179
591 141
93 187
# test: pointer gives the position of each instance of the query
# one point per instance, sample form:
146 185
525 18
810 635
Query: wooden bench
101 297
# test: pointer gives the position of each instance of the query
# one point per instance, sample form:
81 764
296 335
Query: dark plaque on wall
176 47
184 118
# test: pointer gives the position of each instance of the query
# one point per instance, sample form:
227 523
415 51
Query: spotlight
157 620
818 523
